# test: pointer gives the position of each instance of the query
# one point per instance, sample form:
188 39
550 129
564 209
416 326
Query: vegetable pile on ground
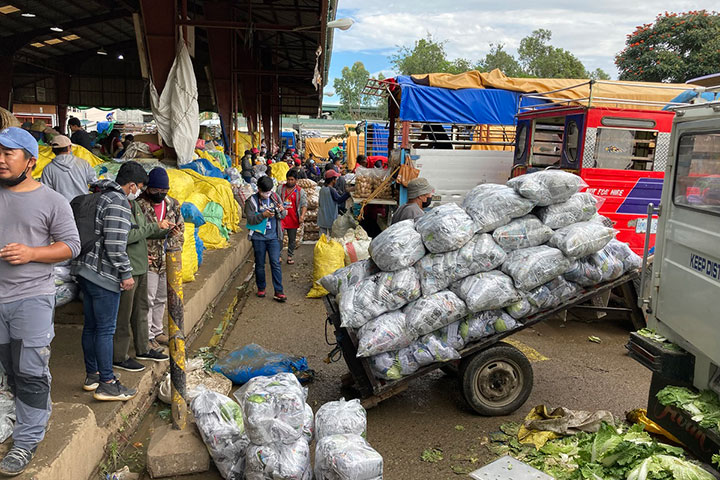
613 453
703 406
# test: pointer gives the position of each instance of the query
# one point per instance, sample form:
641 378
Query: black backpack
84 209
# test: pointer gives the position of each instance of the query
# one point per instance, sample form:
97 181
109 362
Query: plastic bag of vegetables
445 228
531 267
348 276
547 187
581 239
347 457
523 232
341 417
394 365
491 206
521 309
278 461
432 348
438 271
432 312
579 208
398 247
385 333
486 291
622 250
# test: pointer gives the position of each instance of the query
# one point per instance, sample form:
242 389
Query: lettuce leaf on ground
704 407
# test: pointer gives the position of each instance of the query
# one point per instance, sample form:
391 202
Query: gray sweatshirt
68 175
36 219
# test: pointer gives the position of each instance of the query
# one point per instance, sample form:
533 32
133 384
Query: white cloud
594 32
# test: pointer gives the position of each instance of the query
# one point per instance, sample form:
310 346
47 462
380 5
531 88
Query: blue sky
594 33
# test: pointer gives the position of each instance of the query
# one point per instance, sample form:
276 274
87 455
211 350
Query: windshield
697 182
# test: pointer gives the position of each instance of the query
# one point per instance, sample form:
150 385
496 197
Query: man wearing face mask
420 194
36 230
157 206
103 273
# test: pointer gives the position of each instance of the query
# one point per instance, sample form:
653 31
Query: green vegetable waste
613 453
653 335
704 407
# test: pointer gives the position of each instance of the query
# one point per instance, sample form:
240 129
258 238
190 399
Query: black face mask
156 197
427 203
15 181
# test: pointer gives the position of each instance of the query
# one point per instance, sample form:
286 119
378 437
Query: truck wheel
496 381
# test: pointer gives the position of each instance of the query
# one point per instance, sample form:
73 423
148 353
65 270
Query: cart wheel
496 381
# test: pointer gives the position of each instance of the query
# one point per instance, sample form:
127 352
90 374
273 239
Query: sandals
280 297
290 261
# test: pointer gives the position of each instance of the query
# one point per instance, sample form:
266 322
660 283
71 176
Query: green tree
349 88
676 47
427 56
599 74
540 59
497 57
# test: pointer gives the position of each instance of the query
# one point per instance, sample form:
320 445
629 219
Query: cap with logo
17 138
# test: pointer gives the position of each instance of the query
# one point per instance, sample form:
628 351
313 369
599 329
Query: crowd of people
116 233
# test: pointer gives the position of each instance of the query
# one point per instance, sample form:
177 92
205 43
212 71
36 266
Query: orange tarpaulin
318 146
625 90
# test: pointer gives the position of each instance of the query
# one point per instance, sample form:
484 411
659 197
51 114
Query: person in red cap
329 202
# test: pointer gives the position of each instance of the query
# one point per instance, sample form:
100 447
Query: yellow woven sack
279 171
209 158
189 255
328 256
181 184
200 200
210 235
219 191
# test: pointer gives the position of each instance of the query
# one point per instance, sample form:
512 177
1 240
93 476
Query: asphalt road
569 371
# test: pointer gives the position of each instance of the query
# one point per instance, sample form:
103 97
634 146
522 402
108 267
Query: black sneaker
114 391
154 355
16 461
92 381
131 365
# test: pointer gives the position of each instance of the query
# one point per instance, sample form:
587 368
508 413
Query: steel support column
159 18
219 46
62 85
276 112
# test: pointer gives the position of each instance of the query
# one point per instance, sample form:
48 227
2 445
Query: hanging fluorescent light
56 29
102 51
28 15
120 56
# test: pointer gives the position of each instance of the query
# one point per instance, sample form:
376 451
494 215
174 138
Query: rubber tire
513 364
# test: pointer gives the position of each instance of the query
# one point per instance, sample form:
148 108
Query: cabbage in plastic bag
445 228
394 365
552 293
438 271
380 293
523 232
341 417
451 335
547 187
273 409
582 239
579 208
398 247
531 267
278 461
491 206
347 457
622 250
220 423
431 348
584 273
486 291
430 313
348 276
309 424
478 325
521 309
385 333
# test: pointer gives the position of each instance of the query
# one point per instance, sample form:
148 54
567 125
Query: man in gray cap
67 174
420 194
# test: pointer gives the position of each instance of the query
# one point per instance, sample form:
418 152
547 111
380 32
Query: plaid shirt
174 242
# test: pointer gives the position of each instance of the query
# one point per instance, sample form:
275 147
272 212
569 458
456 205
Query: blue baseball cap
14 137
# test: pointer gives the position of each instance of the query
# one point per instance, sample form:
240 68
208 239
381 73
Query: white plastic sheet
491 205
438 271
547 187
531 267
486 291
398 247
176 109
445 228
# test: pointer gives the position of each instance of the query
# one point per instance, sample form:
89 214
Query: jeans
132 315
26 330
157 298
292 240
100 308
272 248
325 231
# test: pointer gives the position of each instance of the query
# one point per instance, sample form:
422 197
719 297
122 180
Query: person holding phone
265 211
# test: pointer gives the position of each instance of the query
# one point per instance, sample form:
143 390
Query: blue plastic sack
199 246
252 360
192 214
204 167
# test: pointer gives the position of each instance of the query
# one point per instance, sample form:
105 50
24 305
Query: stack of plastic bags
278 425
342 451
66 290
459 275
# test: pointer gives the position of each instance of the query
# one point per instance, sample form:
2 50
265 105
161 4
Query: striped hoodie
107 264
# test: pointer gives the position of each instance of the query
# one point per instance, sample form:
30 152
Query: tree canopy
676 47
349 88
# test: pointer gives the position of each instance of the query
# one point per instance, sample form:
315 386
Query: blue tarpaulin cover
477 106
252 360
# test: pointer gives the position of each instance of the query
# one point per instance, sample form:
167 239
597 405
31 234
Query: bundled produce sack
486 291
547 186
341 417
552 293
445 228
220 422
583 272
523 232
357 245
531 267
347 457
394 365
432 312
278 461
309 424
521 309
603 266
482 324
622 250
385 333
581 239
346 277
451 335
398 247
380 293
438 271
432 348
273 409
328 256
579 208
491 205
